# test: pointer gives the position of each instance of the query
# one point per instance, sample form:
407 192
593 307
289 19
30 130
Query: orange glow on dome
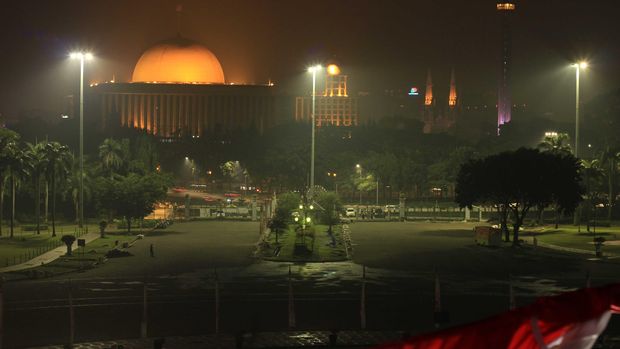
178 61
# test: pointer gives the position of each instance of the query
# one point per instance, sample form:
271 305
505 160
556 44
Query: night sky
380 44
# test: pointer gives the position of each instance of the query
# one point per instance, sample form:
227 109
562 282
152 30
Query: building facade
334 107
178 89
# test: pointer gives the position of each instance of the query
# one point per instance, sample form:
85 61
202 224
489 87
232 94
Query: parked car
391 208
350 212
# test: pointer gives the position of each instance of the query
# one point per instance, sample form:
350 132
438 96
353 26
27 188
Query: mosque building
178 89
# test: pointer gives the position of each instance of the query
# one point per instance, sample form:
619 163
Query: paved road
254 295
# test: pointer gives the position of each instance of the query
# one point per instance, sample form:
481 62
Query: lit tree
111 155
58 163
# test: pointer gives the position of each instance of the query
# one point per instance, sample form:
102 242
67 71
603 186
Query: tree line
120 181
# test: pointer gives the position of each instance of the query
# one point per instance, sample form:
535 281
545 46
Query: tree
288 202
17 163
555 143
516 181
68 240
111 155
329 208
279 222
7 140
73 185
57 166
610 159
134 196
592 176
37 163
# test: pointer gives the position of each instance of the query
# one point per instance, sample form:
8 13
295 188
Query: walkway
49 256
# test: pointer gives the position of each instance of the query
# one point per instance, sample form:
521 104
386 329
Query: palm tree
73 186
555 143
610 159
58 162
7 137
592 174
17 163
111 154
38 164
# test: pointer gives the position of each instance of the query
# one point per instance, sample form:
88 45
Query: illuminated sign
507 6
413 91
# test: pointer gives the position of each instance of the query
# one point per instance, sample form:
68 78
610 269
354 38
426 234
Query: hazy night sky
380 44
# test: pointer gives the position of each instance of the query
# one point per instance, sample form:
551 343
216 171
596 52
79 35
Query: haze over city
324 174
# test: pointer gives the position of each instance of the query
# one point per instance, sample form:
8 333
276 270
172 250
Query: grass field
27 244
569 236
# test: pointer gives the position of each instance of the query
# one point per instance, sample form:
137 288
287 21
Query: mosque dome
180 61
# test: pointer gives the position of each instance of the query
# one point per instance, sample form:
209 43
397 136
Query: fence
31 253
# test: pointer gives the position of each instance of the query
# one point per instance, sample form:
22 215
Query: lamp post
359 170
333 174
578 67
82 56
313 70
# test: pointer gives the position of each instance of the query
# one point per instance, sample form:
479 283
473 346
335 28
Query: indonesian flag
572 320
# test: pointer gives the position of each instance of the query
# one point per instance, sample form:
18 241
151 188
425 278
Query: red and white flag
571 320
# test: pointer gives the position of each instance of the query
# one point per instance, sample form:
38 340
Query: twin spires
428 97
452 97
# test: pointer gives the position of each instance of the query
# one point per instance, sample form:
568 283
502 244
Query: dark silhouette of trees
516 181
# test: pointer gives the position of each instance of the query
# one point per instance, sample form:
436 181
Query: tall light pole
359 169
314 69
578 67
82 56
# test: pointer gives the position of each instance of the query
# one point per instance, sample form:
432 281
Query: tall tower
504 102
452 98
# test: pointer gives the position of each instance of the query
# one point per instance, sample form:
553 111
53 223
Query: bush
117 253
147 223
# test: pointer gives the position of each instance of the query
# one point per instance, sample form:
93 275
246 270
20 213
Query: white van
350 212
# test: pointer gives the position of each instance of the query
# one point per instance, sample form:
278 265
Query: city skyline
381 47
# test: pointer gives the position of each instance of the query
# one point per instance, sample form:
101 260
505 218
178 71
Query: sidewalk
49 256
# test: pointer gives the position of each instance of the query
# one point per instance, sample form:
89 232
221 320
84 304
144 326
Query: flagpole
363 300
217 303
291 305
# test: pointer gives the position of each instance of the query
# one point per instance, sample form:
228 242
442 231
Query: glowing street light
82 56
578 66
313 70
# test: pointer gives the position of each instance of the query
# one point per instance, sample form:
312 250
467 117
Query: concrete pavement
49 256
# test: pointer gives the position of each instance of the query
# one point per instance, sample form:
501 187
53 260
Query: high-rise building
334 107
504 102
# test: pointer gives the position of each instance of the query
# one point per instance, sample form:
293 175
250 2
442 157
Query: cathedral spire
452 97
428 97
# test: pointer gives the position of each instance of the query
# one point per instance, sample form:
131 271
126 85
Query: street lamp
313 70
82 56
359 170
333 174
578 67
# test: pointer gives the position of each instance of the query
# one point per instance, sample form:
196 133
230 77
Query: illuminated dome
178 61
